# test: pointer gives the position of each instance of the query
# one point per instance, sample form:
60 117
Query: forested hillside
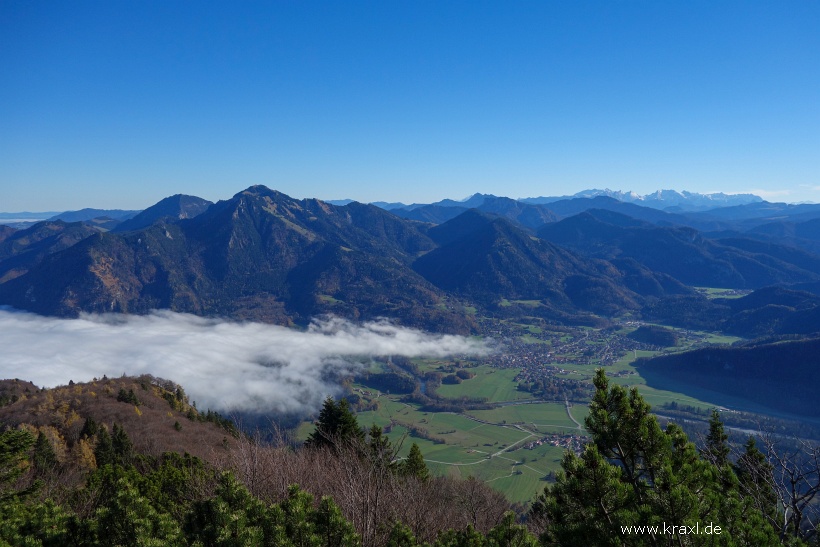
782 375
346 486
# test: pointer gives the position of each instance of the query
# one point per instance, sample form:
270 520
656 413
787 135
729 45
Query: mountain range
669 200
265 256
661 199
683 252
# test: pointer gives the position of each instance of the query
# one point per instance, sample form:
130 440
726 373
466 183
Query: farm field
537 417
489 450
516 443
493 384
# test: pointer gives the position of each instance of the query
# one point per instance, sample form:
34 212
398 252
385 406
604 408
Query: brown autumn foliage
369 491
61 413
13 390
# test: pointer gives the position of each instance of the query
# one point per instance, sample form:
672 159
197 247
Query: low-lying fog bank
223 365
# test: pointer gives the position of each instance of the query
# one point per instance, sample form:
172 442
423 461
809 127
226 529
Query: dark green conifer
336 425
401 536
414 466
716 451
128 397
14 447
129 519
380 450
44 458
635 473
122 446
717 447
89 428
756 480
104 451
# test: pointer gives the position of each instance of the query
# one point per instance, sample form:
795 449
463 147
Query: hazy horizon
5 220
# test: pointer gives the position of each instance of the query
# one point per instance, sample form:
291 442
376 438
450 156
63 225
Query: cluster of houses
575 443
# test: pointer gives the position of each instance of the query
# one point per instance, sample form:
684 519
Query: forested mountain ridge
258 255
156 413
21 250
263 255
522 214
129 461
683 253
770 311
484 258
178 206
781 375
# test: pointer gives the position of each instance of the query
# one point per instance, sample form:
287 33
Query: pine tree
717 447
401 536
44 458
756 480
129 519
414 466
232 517
14 447
128 397
122 446
89 428
332 529
380 451
635 473
104 451
624 431
507 532
717 451
336 425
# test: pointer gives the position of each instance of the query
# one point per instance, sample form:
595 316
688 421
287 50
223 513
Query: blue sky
119 104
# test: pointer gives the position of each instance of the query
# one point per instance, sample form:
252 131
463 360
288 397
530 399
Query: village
574 443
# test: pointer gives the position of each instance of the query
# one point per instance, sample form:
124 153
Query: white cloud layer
222 365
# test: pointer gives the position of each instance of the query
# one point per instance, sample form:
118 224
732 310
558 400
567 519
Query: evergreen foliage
755 475
44 458
128 397
115 448
104 451
336 425
122 446
130 519
14 445
89 428
380 450
634 473
717 447
716 451
414 466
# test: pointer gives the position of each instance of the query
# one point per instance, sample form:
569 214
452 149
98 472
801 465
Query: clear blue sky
121 103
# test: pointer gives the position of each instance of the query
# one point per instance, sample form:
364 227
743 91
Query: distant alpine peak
662 199
477 196
671 195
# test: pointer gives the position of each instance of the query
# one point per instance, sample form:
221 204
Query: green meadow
493 384
493 444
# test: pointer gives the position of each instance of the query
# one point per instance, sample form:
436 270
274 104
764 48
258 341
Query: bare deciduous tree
791 476
369 491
